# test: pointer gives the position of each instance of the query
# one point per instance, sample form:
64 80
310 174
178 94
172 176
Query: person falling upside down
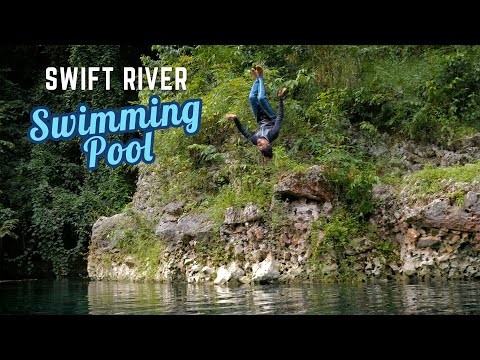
268 122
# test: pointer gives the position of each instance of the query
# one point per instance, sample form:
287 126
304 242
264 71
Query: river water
96 297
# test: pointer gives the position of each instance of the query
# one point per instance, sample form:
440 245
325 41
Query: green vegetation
428 180
338 233
412 92
337 244
137 238
388 249
337 95
48 200
426 94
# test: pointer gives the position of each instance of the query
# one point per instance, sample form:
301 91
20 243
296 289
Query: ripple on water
97 297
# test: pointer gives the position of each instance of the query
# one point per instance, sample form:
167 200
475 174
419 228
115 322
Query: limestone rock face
186 228
441 214
310 185
438 237
223 275
266 271
106 231
239 216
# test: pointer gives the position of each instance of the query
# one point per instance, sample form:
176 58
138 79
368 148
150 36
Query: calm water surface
95 297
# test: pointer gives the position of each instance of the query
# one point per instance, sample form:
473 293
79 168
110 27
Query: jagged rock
195 268
440 214
310 185
413 234
223 275
239 216
360 245
190 226
301 211
443 258
238 249
235 271
427 241
106 231
188 261
426 262
386 207
168 231
293 273
409 267
196 226
175 207
327 209
414 156
207 270
294 259
472 141
143 193
266 271
130 261
329 268
245 280
472 202
451 158
383 194
168 218
359 266
257 254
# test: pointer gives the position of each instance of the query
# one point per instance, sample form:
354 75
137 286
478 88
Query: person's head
265 147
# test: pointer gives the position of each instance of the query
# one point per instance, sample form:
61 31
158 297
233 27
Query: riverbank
423 225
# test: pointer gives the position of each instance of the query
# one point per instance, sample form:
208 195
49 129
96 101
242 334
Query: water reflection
96 297
139 298
458 298
43 297
382 298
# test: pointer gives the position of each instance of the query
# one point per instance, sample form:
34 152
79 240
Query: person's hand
231 116
282 92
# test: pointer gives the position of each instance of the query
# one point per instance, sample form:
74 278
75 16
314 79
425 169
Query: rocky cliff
438 236
408 236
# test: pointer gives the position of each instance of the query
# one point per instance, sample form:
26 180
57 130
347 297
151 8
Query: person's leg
253 97
262 98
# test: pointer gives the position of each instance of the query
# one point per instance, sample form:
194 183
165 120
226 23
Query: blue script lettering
94 126
116 152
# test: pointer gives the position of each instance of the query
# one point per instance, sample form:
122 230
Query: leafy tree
50 196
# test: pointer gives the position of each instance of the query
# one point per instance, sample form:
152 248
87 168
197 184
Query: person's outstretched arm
248 135
273 134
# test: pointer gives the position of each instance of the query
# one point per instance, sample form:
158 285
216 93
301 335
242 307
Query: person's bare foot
253 72
282 92
231 116
259 70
